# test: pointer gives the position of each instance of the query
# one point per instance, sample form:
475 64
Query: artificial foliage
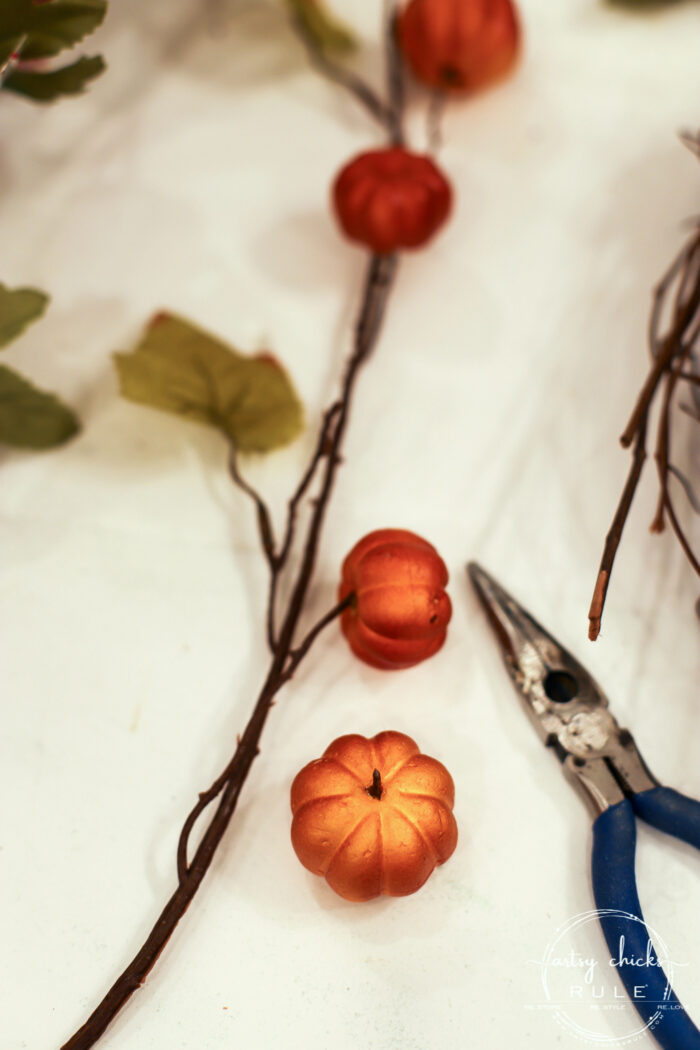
183 370
33 33
326 32
30 418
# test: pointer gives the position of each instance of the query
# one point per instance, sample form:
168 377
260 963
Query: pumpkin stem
375 789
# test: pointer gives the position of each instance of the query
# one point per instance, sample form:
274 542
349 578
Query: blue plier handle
615 891
570 713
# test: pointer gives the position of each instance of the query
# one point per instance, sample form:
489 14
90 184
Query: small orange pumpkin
400 609
373 816
459 45
391 199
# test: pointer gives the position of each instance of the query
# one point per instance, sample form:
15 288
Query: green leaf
8 46
48 28
18 308
31 418
322 29
179 368
45 87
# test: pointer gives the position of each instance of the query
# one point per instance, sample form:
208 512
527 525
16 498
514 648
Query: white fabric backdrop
194 176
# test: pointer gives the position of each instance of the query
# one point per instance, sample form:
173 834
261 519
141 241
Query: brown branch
323 447
213 792
660 292
396 86
670 354
666 352
226 788
298 654
267 540
688 376
436 110
680 534
345 78
263 514
612 540
691 494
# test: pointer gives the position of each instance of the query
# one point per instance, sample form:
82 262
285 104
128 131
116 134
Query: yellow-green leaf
32 418
323 29
45 87
18 308
180 369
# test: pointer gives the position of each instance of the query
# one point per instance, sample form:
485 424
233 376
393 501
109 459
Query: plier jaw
565 704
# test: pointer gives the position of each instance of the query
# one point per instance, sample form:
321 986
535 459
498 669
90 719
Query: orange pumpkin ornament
400 611
391 199
373 816
459 45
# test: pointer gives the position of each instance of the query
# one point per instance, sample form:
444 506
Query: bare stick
612 540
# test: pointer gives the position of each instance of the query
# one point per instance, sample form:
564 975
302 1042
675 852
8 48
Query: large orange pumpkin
400 610
373 816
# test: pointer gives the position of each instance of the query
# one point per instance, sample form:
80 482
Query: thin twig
687 376
667 351
680 535
263 514
208 796
267 540
612 540
660 293
322 449
434 115
395 80
298 654
345 78
670 355
691 494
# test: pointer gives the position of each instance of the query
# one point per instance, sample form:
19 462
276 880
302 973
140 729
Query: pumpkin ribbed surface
364 845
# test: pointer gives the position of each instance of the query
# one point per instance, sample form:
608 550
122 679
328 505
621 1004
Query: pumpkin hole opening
451 76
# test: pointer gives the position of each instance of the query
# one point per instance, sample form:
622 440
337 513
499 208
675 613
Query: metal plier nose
567 707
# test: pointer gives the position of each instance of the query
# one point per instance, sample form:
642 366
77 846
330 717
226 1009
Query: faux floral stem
286 658
287 652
